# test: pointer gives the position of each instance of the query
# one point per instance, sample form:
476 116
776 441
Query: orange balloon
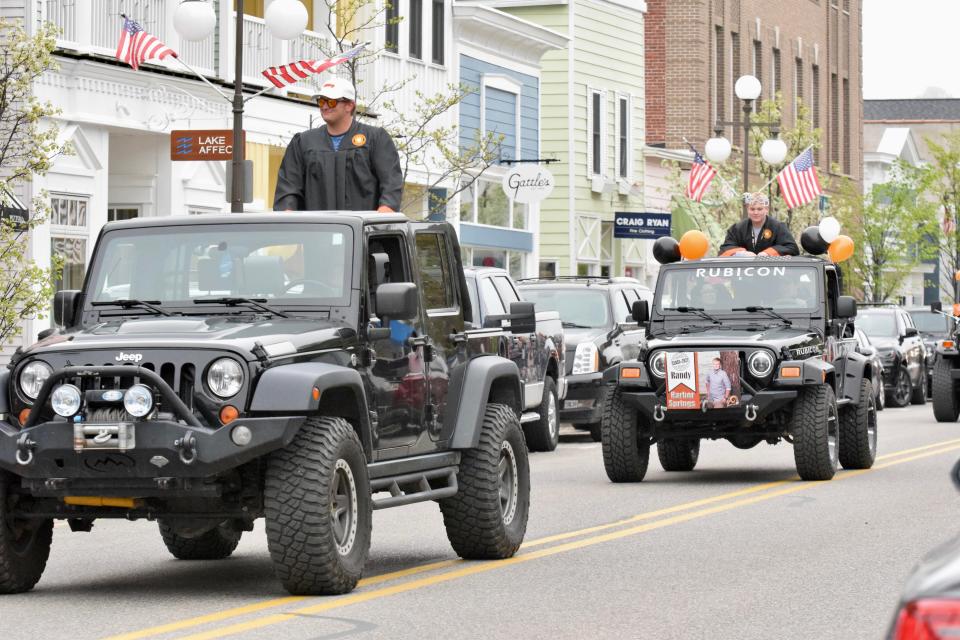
694 245
841 249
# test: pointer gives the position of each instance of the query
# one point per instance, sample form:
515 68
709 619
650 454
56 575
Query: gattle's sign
528 183
202 144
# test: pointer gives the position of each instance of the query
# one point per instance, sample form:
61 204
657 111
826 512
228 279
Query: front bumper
583 403
752 408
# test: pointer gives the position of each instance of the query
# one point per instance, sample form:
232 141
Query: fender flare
470 386
289 389
857 368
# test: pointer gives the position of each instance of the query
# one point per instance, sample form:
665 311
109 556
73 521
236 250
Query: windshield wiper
574 325
769 311
695 310
256 303
130 304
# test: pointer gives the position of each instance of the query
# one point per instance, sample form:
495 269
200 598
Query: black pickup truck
306 368
538 353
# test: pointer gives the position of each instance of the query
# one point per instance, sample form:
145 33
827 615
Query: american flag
137 46
798 181
701 174
287 74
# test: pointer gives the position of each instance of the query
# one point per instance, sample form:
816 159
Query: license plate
117 436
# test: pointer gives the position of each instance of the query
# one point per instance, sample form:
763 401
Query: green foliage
28 147
940 181
723 204
890 227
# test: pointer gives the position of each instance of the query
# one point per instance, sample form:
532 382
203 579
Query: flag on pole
136 46
701 175
294 72
798 181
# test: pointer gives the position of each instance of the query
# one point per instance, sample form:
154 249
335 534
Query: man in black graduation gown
759 234
343 165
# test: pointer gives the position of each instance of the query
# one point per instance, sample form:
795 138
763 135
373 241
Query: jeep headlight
760 364
658 364
586 359
225 377
138 400
33 376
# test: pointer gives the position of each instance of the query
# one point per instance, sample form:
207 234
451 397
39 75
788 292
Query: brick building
810 50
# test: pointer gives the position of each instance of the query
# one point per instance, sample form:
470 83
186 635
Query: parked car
538 353
598 330
933 328
865 347
901 349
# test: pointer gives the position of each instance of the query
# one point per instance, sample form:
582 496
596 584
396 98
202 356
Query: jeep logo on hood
129 357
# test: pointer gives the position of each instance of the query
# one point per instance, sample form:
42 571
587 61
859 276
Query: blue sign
641 226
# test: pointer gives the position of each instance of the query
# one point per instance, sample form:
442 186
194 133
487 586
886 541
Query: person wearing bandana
344 165
759 234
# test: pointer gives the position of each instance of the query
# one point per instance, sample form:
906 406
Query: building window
834 120
68 238
392 35
797 88
484 202
438 32
596 132
847 150
122 213
623 137
438 289
549 269
776 81
416 29
758 61
719 91
512 261
815 95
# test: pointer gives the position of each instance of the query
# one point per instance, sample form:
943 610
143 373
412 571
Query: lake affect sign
202 144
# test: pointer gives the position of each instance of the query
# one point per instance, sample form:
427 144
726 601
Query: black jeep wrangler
751 350
946 369
303 368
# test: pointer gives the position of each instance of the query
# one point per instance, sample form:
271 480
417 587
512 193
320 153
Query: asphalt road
738 548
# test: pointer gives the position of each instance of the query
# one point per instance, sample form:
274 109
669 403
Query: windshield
296 264
722 289
879 325
930 322
578 308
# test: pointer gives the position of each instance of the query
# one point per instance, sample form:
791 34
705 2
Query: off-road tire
487 518
678 454
858 431
596 431
919 393
302 514
946 405
544 434
898 397
814 417
626 453
216 544
23 550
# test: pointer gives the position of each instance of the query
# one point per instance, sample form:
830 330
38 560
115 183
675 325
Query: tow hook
751 413
658 413
25 447
187 447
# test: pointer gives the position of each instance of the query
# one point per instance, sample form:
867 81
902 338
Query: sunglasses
330 103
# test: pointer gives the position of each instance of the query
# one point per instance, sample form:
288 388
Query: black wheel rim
507 471
343 507
903 387
552 423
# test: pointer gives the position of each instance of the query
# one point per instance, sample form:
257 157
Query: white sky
909 47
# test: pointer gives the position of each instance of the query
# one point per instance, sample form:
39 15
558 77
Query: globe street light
196 20
773 151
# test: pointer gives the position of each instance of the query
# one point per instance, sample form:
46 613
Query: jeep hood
237 333
732 336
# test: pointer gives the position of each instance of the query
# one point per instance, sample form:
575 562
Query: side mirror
378 268
398 300
65 307
867 350
846 307
911 332
936 307
640 311
523 317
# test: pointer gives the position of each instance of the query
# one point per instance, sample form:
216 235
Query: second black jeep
750 350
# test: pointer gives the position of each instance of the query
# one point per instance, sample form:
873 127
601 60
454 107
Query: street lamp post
773 150
196 20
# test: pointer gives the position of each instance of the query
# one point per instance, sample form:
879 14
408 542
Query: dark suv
933 328
902 351
306 368
598 331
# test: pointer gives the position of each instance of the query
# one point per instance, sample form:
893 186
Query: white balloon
829 229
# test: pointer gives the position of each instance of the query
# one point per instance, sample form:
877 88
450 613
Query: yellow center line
234 612
474 569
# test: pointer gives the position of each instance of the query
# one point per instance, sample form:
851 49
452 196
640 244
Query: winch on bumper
639 390
153 453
